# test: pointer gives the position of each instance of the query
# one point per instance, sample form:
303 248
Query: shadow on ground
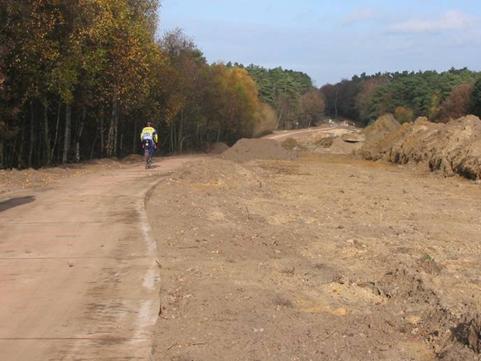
15 202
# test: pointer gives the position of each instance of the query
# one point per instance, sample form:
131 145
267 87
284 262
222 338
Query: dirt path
78 277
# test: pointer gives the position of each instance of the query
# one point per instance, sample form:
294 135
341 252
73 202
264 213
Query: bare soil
452 148
321 258
250 149
267 254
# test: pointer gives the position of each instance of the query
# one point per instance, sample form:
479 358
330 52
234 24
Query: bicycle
148 153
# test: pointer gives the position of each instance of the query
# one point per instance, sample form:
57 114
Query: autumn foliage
457 104
78 80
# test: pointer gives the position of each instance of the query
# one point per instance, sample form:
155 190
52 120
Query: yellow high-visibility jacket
149 133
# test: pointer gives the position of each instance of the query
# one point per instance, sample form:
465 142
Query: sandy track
78 278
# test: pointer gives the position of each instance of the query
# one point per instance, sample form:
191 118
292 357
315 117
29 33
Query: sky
333 40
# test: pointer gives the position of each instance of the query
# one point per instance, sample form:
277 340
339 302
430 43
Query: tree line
440 96
79 78
291 93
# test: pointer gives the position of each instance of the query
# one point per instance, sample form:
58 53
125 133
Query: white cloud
451 20
360 14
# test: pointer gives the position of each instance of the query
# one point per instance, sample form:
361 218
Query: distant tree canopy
78 80
291 93
439 96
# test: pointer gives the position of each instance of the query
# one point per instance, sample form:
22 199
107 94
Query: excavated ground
320 258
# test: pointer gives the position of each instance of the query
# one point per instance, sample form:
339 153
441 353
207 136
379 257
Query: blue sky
331 40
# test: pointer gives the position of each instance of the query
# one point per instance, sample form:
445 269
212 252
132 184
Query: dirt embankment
326 140
251 149
320 258
452 148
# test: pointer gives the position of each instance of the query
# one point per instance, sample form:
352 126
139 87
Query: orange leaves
238 104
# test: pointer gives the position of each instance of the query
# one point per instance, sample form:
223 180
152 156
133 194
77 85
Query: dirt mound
217 148
382 126
378 137
263 149
452 148
211 171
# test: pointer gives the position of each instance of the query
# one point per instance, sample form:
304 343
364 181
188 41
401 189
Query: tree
364 98
457 104
403 114
312 107
366 92
476 98
282 89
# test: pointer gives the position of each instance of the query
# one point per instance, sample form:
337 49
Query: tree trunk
101 131
134 139
94 143
46 134
32 135
112 135
180 132
68 132
57 126
79 136
218 133
280 119
121 148
197 135
21 146
2 160
172 128
116 132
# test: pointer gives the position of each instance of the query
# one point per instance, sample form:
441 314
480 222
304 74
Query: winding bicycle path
78 273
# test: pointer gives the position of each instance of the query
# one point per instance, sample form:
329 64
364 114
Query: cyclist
149 140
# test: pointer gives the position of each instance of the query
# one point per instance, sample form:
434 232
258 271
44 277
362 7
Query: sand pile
384 125
252 149
452 148
217 148
377 137
217 174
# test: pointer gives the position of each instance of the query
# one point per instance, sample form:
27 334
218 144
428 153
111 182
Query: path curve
78 273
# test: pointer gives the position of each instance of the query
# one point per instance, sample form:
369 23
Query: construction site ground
318 256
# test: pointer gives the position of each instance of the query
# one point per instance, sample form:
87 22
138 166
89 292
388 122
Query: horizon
332 41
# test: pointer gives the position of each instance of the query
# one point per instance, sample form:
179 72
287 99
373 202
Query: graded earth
307 256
